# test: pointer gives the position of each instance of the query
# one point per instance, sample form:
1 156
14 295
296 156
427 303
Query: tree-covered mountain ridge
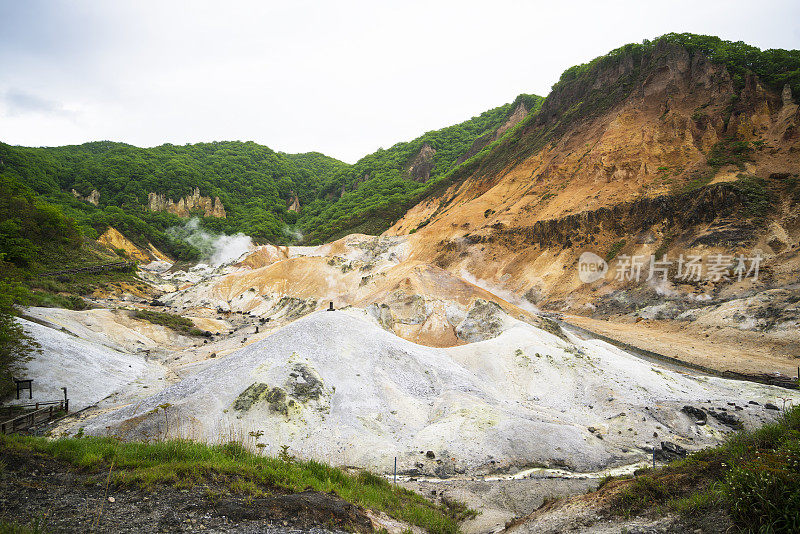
252 186
664 147
256 185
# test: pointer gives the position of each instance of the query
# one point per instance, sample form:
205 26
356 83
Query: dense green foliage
387 192
27 224
15 345
182 463
254 183
775 67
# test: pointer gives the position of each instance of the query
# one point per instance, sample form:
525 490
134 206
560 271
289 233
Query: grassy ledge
754 477
179 324
183 463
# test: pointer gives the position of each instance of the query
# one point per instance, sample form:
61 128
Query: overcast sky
342 78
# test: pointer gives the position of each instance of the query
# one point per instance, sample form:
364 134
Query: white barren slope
90 371
337 387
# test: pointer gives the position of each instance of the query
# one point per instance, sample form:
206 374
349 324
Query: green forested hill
254 183
372 205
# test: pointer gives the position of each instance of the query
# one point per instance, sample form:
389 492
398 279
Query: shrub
756 195
765 496
177 323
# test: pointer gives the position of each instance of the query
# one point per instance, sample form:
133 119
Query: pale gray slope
337 387
90 371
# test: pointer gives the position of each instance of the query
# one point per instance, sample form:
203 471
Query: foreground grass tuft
12 527
183 463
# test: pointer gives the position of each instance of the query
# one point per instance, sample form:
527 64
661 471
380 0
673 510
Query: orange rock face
183 208
642 171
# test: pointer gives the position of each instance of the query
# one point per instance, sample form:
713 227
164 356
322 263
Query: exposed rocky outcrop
484 321
335 385
673 211
419 169
656 152
294 203
186 205
112 238
91 198
516 116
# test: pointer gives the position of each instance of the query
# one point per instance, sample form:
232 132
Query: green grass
755 193
614 250
183 463
696 183
182 325
729 151
754 476
12 527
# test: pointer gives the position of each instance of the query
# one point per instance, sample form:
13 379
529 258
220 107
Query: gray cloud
20 103
339 77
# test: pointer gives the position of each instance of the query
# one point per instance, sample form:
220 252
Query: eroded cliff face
519 113
662 154
419 169
184 206
294 203
91 198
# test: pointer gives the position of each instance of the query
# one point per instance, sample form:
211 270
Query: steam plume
216 249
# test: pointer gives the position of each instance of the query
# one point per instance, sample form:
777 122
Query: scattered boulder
403 308
770 406
249 396
726 419
381 313
699 415
670 451
305 383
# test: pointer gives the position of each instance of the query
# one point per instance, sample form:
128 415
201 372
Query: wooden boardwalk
116 266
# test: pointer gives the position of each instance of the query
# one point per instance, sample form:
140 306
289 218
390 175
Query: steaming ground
416 363
217 249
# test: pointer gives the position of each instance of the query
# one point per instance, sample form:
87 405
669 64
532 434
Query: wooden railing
42 413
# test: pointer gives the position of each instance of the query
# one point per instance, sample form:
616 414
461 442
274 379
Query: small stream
534 472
